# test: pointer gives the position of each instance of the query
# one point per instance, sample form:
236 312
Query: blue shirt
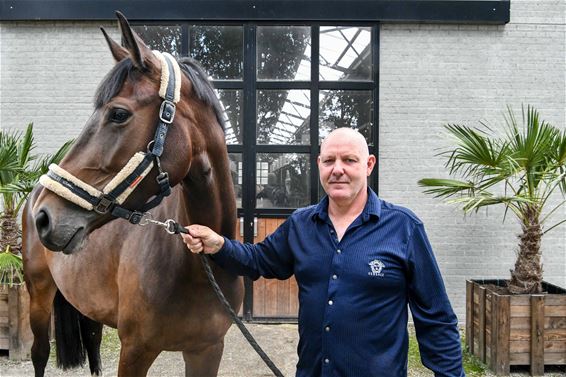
353 293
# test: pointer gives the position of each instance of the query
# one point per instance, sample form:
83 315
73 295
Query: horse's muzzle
66 236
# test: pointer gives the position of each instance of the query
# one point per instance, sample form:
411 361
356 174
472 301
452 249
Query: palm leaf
25 146
11 268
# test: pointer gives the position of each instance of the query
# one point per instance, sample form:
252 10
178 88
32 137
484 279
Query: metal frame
249 85
456 11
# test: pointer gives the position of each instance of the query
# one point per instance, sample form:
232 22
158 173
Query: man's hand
202 239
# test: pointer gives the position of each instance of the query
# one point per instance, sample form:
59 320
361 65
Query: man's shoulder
304 212
395 210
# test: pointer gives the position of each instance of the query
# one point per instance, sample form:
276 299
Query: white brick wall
429 75
49 73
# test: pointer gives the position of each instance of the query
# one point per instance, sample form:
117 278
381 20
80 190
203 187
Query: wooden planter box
15 331
505 330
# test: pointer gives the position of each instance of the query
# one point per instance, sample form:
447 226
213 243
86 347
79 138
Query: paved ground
239 360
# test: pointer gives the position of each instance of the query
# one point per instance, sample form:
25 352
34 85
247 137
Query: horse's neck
208 194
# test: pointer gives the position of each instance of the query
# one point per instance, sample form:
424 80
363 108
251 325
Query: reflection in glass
236 166
283 116
232 102
345 53
282 180
345 108
219 49
283 53
161 38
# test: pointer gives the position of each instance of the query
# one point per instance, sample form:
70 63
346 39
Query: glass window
287 184
283 117
346 108
283 53
219 49
161 38
232 102
345 53
236 168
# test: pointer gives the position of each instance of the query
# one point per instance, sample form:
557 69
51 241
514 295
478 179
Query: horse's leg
41 302
204 363
135 359
91 333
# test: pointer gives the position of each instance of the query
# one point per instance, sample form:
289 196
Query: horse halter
110 199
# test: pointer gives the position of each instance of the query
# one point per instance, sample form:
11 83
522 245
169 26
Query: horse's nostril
42 223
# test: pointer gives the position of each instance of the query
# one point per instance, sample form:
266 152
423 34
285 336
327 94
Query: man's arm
271 258
435 322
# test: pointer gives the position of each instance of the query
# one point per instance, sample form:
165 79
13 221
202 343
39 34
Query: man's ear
371 164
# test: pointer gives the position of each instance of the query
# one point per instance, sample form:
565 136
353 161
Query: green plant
519 169
20 170
11 267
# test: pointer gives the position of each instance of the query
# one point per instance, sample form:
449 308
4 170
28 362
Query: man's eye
119 115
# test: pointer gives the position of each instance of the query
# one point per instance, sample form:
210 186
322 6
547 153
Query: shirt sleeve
271 258
436 324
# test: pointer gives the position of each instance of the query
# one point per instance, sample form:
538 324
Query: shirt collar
372 208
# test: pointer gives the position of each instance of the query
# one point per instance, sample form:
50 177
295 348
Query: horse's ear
139 52
118 52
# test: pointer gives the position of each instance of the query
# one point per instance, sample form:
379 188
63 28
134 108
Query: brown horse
139 280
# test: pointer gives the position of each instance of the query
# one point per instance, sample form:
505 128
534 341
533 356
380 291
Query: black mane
202 87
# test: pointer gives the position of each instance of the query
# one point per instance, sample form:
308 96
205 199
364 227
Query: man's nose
338 168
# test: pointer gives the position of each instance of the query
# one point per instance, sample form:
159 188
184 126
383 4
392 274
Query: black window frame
250 85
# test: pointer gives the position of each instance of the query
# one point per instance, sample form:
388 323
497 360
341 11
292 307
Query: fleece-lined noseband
71 188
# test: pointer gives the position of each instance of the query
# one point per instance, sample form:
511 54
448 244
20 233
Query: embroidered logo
377 267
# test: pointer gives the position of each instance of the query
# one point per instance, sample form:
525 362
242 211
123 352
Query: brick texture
430 75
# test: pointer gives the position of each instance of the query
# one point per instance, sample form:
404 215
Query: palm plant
20 170
520 169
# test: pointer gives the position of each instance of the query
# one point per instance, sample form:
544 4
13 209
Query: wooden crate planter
505 330
15 331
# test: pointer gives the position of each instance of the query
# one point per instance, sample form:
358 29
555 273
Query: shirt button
327 329
330 302
326 361
334 277
338 251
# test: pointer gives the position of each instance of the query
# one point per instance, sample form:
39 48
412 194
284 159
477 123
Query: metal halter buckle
167 112
103 205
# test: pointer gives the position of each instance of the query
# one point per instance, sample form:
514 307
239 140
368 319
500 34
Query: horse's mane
202 87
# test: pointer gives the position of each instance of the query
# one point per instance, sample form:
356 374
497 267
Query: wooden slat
520 346
501 311
481 325
537 335
469 315
4 343
550 358
555 300
494 334
549 334
549 323
555 322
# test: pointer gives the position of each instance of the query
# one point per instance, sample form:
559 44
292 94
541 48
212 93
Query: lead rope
173 227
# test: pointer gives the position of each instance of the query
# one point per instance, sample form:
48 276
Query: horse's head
99 179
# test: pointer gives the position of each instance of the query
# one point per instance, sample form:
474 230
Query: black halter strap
108 202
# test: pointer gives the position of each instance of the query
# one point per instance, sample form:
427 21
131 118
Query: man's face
344 165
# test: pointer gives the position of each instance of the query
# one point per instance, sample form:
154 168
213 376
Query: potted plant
20 170
522 320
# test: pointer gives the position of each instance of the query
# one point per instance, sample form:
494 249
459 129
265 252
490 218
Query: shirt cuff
224 253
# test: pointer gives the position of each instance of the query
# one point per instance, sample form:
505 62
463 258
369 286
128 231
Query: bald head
347 135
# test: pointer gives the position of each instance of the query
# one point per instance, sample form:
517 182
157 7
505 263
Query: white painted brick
430 75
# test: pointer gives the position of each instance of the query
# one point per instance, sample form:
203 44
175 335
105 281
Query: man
358 261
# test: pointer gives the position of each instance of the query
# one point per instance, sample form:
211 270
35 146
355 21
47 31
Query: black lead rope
174 227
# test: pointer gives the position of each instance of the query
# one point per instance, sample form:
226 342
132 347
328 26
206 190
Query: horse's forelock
111 84
202 87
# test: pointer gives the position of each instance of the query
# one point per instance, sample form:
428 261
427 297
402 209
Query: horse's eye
119 115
